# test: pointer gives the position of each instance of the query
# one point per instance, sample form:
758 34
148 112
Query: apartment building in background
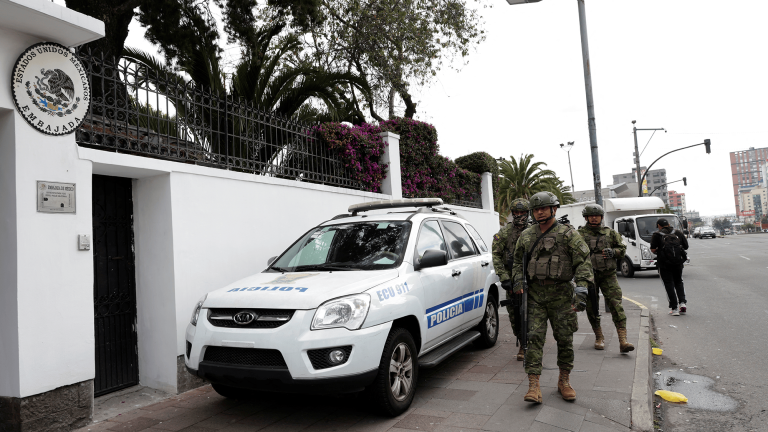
753 201
677 202
748 169
656 178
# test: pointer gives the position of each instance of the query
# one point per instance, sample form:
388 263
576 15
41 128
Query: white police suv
361 301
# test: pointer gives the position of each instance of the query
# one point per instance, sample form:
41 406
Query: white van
633 218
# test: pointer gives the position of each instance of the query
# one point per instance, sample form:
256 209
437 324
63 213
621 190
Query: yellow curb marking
635 302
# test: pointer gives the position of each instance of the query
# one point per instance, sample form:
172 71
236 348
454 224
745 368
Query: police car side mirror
433 258
271 260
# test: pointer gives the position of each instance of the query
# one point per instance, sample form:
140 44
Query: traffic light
706 146
685 181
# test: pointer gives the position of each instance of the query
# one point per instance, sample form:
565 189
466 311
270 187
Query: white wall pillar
155 282
392 184
9 317
486 190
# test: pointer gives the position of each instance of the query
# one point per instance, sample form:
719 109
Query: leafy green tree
391 44
521 178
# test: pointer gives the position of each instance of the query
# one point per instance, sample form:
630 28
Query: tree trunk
410 106
117 16
392 94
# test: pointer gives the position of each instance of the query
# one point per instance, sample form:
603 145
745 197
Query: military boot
564 387
521 354
534 392
624 346
599 338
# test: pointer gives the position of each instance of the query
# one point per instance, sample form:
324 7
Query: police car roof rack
397 203
438 210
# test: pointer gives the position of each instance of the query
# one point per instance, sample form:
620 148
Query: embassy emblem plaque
50 88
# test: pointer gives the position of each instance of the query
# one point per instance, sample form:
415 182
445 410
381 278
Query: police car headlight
647 255
348 312
196 312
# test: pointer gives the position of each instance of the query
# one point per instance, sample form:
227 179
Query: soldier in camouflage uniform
559 257
503 246
605 249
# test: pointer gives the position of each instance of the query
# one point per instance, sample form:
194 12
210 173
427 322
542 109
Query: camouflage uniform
560 256
605 271
503 246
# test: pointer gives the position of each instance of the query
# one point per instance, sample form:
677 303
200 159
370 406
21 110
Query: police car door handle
484 263
456 272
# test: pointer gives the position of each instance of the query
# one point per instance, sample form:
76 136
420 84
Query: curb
642 386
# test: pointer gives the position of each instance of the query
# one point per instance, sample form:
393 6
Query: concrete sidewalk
474 390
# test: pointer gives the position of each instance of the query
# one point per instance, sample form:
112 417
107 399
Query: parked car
707 231
362 301
727 231
697 232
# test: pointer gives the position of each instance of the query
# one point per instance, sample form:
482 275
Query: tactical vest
597 242
550 259
514 234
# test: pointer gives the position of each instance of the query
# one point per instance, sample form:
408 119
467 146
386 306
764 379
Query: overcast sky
698 68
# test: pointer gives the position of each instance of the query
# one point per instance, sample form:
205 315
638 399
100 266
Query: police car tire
380 391
487 340
233 392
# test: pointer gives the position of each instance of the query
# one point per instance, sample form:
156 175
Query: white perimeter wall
46 284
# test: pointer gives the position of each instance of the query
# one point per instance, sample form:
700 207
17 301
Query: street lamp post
588 90
637 156
567 148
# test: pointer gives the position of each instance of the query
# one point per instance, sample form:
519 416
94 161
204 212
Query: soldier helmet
592 210
520 204
544 199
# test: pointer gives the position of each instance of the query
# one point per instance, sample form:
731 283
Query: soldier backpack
671 249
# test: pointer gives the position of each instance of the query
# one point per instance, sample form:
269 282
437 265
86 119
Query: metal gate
114 285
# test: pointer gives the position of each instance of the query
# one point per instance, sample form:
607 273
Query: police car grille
319 357
284 315
245 357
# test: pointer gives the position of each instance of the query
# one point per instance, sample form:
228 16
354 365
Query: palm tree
265 80
521 178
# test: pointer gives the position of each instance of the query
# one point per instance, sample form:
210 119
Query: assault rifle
522 311
594 299
519 303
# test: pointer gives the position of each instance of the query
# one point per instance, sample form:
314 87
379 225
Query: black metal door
114 285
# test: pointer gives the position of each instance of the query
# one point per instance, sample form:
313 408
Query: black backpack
671 249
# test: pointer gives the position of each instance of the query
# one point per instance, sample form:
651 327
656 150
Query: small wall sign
55 197
50 88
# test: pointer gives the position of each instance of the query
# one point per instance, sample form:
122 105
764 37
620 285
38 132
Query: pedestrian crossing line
748 259
635 302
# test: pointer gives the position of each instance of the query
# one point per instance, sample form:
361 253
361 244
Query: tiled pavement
473 390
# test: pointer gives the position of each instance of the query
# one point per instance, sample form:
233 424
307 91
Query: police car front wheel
395 384
489 326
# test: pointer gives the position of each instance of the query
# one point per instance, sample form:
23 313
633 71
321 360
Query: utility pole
590 103
637 156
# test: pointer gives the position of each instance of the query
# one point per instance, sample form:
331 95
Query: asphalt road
724 335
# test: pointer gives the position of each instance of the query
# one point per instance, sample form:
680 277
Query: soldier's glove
580 298
507 285
608 253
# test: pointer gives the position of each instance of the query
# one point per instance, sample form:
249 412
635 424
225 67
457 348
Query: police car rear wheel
489 326
395 384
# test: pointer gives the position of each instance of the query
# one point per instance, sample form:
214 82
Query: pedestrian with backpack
669 246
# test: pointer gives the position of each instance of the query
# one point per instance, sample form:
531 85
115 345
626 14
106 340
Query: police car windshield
375 245
646 225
